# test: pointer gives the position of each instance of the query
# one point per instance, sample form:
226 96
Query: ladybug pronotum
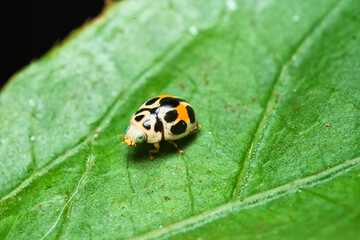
163 117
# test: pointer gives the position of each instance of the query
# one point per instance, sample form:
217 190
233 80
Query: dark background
30 28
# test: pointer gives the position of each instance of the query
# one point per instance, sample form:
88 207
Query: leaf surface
275 86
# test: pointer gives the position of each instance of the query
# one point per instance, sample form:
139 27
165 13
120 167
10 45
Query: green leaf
275 86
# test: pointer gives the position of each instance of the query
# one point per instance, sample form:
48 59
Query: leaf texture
275 86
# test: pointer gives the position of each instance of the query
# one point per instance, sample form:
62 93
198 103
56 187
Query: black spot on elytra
158 126
147 125
179 128
191 113
151 110
170 102
171 116
138 118
151 101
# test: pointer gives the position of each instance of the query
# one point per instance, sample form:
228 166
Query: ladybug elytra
163 117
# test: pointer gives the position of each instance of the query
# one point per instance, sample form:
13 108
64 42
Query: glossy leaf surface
275 86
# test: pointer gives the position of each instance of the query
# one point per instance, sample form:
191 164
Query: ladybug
163 117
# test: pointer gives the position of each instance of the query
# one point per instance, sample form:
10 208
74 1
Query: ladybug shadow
140 153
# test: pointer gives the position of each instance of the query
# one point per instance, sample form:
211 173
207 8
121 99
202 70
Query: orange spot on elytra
183 114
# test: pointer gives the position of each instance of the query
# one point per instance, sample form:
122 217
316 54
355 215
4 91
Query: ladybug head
133 136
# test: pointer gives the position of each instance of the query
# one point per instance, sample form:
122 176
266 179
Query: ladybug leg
180 151
157 147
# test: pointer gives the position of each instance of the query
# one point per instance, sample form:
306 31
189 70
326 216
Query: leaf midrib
251 201
235 205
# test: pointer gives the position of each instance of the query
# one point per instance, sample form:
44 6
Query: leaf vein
273 97
132 192
104 120
33 145
69 201
251 201
188 180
